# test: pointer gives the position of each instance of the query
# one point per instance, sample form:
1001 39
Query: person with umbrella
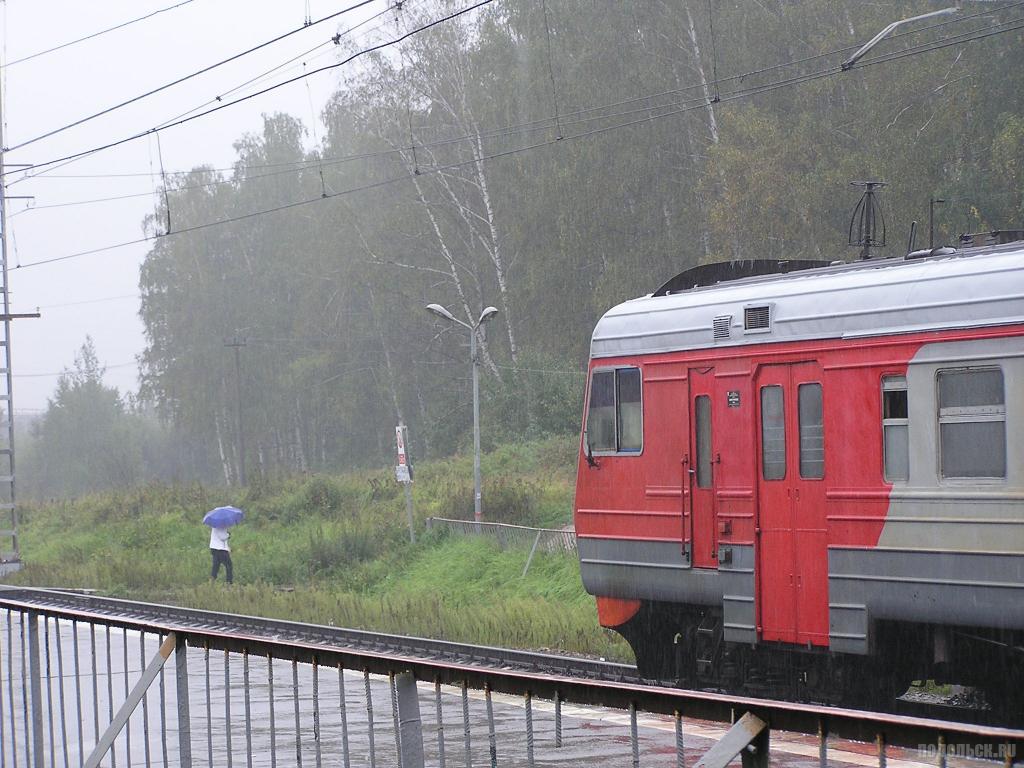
219 520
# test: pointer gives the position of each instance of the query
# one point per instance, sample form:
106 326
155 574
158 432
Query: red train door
701 466
792 553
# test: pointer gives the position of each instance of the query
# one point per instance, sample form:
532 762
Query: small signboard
733 398
403 469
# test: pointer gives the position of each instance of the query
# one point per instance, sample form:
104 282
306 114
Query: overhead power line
65 372
183 79
333 41
90 301
95 34
535 125
234 102
47 173
673 110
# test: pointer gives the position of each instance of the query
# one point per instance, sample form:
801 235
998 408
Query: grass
334 549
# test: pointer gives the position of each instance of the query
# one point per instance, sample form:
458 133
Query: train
805 479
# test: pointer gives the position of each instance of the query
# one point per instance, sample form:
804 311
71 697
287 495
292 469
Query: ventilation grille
721 327
757 318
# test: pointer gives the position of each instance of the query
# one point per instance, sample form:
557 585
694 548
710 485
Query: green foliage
86 440
329 294
335 549
338 349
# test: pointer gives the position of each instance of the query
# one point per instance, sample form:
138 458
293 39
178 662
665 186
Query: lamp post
486 315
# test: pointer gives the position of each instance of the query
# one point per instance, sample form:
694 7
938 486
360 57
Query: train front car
811 485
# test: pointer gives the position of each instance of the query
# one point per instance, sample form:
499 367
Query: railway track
173 617
114 610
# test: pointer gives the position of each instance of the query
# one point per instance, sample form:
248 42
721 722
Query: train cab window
812 432
615 417
895 439
773 433
972 423
630 409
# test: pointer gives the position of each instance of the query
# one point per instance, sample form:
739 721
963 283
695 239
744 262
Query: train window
812 432
773 433
601 419
972 423
702 415
631 422
895 439
615 417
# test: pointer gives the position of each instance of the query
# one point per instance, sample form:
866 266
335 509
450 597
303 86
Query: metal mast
10 551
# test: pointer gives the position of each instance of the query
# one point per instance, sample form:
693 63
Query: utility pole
237 344
10 558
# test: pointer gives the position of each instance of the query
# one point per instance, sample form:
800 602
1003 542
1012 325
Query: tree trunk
225 464
453 269
692 32
300 449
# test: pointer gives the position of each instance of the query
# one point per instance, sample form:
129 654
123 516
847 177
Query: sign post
403 474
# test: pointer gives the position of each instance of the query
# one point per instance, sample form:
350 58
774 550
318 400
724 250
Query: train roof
965 288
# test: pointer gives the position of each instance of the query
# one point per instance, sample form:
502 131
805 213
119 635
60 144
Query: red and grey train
807 480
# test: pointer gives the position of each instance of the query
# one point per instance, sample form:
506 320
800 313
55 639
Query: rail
83 681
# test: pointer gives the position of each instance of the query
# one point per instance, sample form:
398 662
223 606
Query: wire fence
540 539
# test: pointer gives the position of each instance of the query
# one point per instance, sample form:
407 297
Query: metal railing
86 686
541 539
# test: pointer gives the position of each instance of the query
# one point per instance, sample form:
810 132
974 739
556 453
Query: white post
476 424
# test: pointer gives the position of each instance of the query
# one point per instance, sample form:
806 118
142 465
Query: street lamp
486 315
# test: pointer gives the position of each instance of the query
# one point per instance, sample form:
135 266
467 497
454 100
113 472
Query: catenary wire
234 102
185 78
545 123
65 373
47 173
89 301
299 166
68 44
293 169
747 93
261 77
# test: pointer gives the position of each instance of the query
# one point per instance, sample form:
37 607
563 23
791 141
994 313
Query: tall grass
335 549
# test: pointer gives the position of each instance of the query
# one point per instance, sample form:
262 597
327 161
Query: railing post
756 753
748 738
37 689
822 743
118 723
184 718
409 719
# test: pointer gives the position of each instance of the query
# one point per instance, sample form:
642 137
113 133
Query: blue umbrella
223 517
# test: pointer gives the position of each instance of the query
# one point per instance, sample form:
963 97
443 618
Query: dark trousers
221 556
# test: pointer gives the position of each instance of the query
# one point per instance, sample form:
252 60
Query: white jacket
219 539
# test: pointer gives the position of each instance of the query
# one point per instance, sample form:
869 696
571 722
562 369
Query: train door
701 464
792 553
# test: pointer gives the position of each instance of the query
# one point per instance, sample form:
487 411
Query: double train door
700 467
792 554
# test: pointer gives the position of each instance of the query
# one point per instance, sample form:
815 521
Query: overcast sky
98 294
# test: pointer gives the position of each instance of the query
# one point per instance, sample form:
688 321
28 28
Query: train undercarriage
684 646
